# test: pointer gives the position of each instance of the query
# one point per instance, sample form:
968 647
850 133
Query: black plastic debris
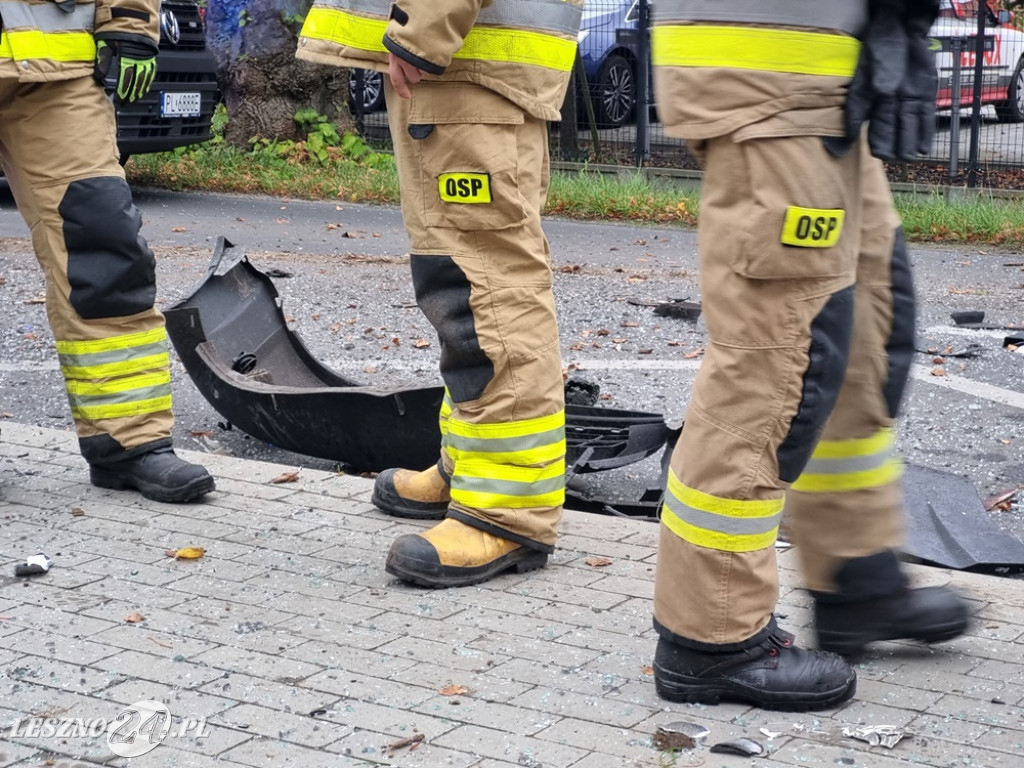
233 340
679 735
948 525
33 566
581 392
975 319
742 746
1014 342
684 310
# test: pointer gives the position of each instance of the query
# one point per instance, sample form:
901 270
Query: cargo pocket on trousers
798 223
469 160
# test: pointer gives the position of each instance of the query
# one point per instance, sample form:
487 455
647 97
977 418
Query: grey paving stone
297 646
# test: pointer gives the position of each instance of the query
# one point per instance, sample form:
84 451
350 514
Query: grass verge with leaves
332 167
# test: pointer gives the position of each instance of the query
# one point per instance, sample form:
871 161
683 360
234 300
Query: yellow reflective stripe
508 428
47 46
539 455
336 26
482 43
120 410
833 482
812 227
485 485
118 368
118 385
729 525
126 341
536 48
756 48
880 442
849 465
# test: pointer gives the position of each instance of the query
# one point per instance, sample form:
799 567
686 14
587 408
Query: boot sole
414 571
852 644
102 478
416 510
694 690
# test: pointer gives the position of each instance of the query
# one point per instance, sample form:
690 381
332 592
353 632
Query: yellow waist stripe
482 43
47 46
768 50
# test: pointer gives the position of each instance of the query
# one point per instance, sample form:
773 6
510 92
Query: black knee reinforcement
828 356
900 346
111 271
442 292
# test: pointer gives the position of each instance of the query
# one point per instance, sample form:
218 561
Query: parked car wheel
615 92
1012 110
373 89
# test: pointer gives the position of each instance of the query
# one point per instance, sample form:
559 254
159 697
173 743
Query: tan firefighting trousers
59 152
777 308
473 169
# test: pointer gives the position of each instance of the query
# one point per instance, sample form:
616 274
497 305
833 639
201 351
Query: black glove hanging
894 86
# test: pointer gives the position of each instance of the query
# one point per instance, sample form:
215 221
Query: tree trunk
262 82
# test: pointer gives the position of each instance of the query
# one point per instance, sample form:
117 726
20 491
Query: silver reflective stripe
379 8
506 444
46 17
848 16
727 524
556 16
91 359
848 465
506 487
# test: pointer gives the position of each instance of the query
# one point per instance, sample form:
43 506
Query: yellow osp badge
464 187
812 227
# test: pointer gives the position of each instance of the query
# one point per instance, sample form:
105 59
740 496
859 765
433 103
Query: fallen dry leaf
77 511
6 415
696 353
453 689
134 617
186 553
939 360
1000 501
200 433
36 300
178 229
598 562
938 371
411 742
292 476
421 344
648 670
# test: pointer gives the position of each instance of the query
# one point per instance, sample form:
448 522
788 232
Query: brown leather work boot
417 495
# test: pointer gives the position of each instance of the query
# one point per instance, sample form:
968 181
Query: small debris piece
318 712
33 566
274 272
887 736
291 476
684 310
134 617
598 562
409 743
742 746
1013 343
581 392
679 735
453 689
1000 501
421 343
770 734
186 553
77 511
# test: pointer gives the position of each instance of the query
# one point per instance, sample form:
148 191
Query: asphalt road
348 295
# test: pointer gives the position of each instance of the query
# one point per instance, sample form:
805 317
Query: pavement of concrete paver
287 644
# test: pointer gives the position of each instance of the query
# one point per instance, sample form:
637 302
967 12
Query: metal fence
610 114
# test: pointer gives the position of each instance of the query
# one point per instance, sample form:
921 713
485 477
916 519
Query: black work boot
873 603
417 495
159 475
771 674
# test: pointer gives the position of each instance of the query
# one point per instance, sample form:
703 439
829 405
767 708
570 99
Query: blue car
607 41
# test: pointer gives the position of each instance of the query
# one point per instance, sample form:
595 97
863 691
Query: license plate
179 104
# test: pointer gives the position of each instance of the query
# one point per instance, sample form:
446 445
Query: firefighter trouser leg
848 503
59 152
779 228
473 169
